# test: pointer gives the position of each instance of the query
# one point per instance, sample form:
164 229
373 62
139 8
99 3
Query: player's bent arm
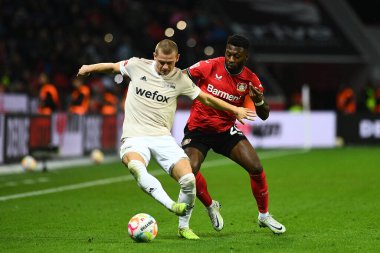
262 110
240 112
216 103
106 67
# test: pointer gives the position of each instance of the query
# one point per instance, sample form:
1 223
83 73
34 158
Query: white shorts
164 149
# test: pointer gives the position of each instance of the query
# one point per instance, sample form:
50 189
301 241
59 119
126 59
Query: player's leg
245 155
196 159
196 148
174 160
212 206
183 174
135 158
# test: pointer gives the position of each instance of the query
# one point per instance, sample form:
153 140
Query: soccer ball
28 163
97 156
142 228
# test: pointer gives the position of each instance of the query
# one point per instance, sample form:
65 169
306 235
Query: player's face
235 58
165 62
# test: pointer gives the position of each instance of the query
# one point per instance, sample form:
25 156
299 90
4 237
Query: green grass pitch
329 200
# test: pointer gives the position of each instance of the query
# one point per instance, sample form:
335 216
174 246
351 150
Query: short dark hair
239 41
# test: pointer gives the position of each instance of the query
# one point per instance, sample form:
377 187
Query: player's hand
84 71
256 95
245 113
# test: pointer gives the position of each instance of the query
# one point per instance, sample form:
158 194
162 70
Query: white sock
263 215
149 183
187 195
210 206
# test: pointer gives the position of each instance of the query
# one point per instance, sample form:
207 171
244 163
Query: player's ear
154 55
177 58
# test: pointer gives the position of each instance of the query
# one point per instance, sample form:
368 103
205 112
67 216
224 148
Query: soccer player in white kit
149 112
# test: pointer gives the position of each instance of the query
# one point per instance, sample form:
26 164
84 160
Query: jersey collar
153 67
231 73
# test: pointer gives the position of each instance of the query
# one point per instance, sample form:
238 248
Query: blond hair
166 46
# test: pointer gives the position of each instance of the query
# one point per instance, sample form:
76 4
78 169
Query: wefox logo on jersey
222 94
152 95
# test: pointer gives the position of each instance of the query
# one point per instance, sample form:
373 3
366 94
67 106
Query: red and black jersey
213 78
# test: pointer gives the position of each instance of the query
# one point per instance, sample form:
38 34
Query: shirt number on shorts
234 130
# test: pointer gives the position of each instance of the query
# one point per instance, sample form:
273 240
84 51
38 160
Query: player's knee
187 182
195 166
135 167
256 169
125 161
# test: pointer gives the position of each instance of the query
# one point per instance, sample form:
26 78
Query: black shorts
221 143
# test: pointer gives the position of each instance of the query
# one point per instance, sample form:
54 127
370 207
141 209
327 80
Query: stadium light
108 38
181 25
191 42
169 32
209 50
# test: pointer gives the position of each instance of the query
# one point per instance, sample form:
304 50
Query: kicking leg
150 184
183 174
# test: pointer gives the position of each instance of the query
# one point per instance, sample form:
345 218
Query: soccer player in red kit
227 78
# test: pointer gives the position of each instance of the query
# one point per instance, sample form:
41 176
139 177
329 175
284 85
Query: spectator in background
80 98
377 100
97 87
296 102
109 103
56 48
4 82
346 100
48 96
366 101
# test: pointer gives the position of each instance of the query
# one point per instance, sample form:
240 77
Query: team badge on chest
241 87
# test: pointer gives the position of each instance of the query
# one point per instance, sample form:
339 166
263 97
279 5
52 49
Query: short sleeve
126 66
190 89
200 70
257 83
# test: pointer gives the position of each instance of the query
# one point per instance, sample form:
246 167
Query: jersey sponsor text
152 95
222 94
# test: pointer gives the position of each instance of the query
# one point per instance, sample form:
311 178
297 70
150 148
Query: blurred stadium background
316 55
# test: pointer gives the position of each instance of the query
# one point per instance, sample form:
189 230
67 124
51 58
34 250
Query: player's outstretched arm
85 70
262 108
240 112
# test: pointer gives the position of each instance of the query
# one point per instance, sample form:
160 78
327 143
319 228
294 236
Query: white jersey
152 98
